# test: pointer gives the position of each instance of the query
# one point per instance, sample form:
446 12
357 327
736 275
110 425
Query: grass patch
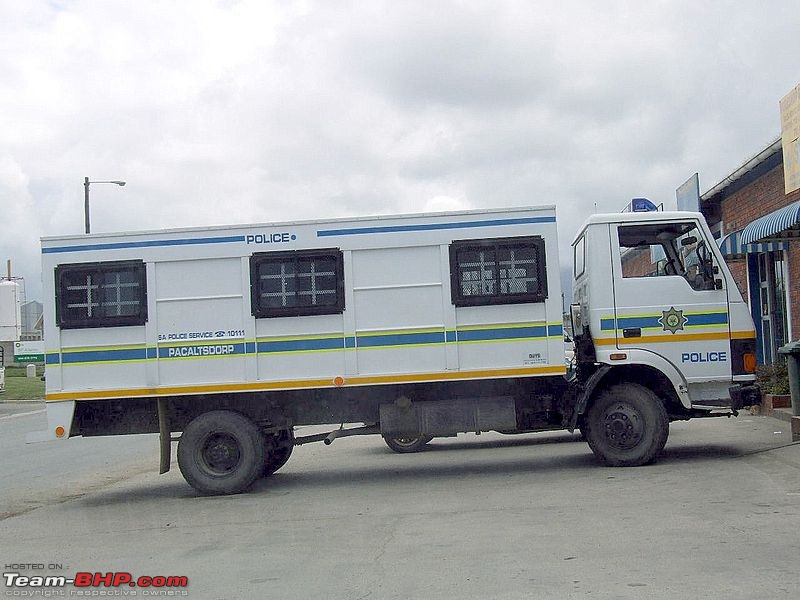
19 371
22 388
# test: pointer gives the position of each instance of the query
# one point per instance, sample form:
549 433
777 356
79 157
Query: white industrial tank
10 315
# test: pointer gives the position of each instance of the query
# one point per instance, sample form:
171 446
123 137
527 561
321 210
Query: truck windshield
666 249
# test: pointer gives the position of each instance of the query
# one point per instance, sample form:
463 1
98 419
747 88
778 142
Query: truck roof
640 217
386 217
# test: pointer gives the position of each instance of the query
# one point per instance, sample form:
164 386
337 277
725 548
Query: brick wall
637 263
765 195
738 269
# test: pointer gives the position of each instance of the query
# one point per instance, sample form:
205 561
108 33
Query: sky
253 111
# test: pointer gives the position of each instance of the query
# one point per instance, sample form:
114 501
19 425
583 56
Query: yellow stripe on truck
304 383
680 337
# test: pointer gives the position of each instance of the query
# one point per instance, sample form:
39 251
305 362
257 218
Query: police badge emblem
672 320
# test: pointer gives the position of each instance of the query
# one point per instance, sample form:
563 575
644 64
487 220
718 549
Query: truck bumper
744 395
59 422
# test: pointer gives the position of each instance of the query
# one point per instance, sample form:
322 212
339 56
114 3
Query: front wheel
626 426
407 444
221 452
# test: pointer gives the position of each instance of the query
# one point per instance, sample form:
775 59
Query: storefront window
772 295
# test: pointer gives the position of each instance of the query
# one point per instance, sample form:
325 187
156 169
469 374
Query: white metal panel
391 308
399 320
195 370
307 347
76 339
194 319
300 326
396 266
395 360
101 358
198 278
275 366
201 331
103 376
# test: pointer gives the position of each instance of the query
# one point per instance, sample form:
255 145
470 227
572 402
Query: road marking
25 414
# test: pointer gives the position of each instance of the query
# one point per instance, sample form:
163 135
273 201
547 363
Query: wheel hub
406 441
221 453
624 426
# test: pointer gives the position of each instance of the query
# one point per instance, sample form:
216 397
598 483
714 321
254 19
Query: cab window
667 249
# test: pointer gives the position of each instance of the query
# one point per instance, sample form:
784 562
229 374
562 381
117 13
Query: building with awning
733 246
758 224
782 224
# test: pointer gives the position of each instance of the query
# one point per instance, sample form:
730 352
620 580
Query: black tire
626 426
279 448
221 452
407 444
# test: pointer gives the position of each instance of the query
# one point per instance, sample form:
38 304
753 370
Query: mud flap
164 436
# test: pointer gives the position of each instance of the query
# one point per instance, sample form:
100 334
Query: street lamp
86 183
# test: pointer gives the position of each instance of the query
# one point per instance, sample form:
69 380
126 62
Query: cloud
251 111
20 221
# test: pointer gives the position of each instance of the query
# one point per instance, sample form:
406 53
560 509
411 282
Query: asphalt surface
36 475
493 516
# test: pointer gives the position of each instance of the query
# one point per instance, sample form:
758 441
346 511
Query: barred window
108 294
294 283
498 271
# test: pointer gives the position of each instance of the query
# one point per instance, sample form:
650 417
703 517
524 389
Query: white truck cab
653 292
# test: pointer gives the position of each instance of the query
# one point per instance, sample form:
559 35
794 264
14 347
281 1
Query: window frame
579 248
677 257
136 320
460 300
258 258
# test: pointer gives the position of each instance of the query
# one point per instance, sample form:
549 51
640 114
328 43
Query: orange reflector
339 381
749 360
60 431
618 356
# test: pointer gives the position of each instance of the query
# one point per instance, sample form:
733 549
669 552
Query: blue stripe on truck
145 244
377 340
433 226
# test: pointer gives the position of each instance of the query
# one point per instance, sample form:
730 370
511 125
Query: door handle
632 332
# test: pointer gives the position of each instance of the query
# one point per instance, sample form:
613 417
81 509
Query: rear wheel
221 452
627 426
407 444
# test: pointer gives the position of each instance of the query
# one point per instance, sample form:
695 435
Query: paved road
488 517
36 475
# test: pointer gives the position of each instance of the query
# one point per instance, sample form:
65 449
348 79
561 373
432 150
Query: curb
785 415
782 414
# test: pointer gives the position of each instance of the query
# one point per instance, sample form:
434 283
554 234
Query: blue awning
732 247
782 224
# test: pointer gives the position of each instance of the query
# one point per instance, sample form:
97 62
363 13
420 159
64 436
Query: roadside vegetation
20 388
774 378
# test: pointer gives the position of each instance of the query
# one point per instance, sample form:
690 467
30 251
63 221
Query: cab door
671 297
